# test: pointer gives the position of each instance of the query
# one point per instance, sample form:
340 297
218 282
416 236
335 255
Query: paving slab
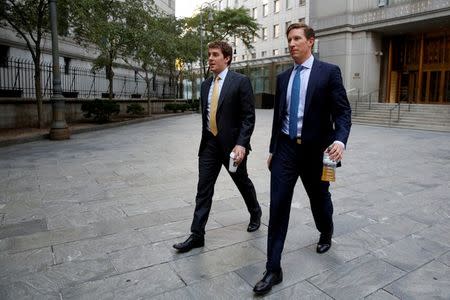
96 217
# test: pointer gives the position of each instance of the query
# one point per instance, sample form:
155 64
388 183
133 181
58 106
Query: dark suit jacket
235 112
327 114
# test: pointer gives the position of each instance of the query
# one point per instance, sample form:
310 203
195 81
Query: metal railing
17 80
397 106
355 106
370 97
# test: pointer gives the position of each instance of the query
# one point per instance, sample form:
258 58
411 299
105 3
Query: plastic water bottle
329 168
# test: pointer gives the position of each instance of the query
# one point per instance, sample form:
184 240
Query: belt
296 140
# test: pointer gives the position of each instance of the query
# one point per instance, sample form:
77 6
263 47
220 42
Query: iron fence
17 80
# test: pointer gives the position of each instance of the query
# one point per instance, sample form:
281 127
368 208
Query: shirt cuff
341 143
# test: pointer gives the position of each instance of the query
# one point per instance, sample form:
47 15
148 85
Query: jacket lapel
313 77
225 88
285 82
205 92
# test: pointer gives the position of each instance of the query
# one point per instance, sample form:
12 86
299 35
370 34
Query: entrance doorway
419 68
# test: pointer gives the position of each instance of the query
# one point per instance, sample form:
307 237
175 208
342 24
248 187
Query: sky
185 8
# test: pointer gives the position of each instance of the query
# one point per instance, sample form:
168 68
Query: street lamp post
59 129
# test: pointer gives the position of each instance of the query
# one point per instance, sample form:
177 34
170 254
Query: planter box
106 95
15 93
136 96
70 94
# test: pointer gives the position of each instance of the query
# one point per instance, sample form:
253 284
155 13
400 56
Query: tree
30 20
104 23
227 24
154 44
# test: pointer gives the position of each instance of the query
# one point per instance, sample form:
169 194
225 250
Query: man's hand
239 153
336 151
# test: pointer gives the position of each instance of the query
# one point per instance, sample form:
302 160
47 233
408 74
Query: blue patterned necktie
295 98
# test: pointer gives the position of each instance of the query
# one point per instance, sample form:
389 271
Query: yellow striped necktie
213 110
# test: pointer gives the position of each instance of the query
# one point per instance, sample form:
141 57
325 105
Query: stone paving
95 217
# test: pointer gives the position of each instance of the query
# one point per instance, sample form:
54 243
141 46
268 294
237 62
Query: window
4 53
263 53
254 38
287 24
171 4
301 20
67 65
382 3
286 50
265 10
276 31
243 56
253 55
264 33
255 13
275 52
288 4
302 2
276 6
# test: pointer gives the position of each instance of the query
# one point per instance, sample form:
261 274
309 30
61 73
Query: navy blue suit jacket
235 115
327 113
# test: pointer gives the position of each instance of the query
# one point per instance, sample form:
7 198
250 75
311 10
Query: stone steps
419 116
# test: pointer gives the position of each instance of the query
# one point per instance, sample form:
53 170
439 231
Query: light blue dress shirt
304 79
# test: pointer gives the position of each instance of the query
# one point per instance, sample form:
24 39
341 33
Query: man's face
217 62
299 46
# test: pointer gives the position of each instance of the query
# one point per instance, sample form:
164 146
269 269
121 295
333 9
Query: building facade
390 50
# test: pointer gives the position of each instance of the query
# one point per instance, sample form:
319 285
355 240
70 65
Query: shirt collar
306 64
222 74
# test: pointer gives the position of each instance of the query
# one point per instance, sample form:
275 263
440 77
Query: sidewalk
95 217
12 136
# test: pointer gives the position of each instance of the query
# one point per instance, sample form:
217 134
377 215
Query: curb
43 136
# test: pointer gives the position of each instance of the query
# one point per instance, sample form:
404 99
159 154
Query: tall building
394 50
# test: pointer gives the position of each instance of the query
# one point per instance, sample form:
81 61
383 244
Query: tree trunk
38 89
149 102
110 76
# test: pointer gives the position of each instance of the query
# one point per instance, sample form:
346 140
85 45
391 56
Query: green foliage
175 107
107 24
226 24
135 109
193 104
100 110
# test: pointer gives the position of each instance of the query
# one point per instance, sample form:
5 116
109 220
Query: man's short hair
226 49
309 32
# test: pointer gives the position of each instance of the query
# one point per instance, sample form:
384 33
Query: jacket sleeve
276 119
247 111
340 111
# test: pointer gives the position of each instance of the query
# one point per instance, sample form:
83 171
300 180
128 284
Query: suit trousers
290 161
211 159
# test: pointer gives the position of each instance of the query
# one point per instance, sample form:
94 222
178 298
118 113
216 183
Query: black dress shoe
267 282
192 242
324 243
255 222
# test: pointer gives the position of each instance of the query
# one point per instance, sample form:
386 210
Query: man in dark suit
312 115
228 118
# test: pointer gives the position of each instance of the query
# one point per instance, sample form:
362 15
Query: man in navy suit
311 115
228 119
